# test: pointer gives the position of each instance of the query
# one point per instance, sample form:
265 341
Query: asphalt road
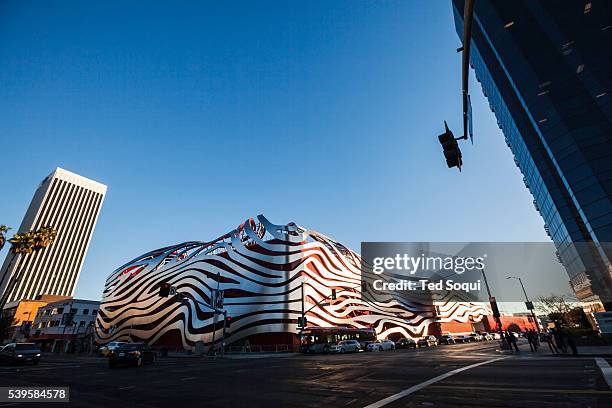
401 378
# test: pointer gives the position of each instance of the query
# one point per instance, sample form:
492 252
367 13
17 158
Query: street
401 378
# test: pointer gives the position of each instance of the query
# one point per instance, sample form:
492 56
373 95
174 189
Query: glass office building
546 69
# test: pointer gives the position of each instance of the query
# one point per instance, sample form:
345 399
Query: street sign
529 305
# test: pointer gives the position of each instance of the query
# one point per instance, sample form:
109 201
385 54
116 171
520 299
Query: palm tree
3 230
25 243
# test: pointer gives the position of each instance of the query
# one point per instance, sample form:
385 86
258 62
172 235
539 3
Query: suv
447 339
427 341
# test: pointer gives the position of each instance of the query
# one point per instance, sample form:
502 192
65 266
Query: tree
3 230
557 307
25 243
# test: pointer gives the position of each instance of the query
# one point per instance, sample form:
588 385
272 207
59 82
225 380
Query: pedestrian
531 340
534 339
512 341
559 340
571 342
549 340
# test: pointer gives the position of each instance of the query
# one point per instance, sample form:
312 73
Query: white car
381 345
346 346
486 336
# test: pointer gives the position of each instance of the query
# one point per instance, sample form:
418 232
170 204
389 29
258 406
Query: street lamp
528 303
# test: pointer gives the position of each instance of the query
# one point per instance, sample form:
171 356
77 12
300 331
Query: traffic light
164 289
302 322
452 153
228 321
333 296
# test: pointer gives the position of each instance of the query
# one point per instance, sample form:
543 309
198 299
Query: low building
65 325
21 314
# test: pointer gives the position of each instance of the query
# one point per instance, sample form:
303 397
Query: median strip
424 384
606 370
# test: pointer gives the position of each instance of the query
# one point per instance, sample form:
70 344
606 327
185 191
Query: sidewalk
543 350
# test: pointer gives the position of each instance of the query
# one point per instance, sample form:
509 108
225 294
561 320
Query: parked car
428 341
319 348
486 336
406 343
475 337
496 336
381 345
462 338
446 339
135 354
106 349
14 353
346 346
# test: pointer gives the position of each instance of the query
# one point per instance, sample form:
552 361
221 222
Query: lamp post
527 302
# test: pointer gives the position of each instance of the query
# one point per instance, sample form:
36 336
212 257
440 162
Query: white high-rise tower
70 204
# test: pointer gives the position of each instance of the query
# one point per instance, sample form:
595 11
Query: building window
82 323
85 311
94 312
73 310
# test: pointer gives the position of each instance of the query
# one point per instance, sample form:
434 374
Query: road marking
606 370
189 378
424 384
129 387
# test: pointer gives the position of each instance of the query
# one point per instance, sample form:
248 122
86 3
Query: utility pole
528 303
215 314
494 308
303 312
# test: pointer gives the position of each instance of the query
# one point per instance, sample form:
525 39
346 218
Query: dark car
405 343
14 353
135 354
447 339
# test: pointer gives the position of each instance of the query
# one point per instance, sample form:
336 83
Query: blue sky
198 115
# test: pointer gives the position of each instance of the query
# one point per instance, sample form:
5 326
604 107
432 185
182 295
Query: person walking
551 345
535 336
530 335
570 342
559 340
512 341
